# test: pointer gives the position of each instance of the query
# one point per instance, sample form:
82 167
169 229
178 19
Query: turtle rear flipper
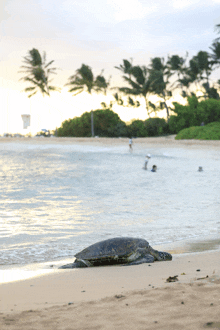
78 263
68 266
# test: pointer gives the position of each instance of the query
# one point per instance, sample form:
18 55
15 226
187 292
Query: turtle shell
112 251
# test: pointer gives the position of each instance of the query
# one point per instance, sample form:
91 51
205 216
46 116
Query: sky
98 33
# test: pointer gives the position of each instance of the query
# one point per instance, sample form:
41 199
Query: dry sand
162 142
133 297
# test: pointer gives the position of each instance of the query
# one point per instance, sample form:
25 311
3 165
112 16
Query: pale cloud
180 4
183 4
131 9
86 11
109 11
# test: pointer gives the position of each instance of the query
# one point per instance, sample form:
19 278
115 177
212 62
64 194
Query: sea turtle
119 250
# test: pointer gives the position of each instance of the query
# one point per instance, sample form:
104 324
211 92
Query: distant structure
26 121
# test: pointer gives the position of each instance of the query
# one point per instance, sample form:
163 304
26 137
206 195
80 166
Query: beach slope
134 297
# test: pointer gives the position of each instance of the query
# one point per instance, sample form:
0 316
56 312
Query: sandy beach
134 297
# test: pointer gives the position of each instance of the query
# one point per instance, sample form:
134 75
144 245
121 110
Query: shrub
137 128
194 114
106 123
78 126
209 132
156 126
176 124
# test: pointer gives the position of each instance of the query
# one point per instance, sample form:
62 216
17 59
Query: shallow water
57 199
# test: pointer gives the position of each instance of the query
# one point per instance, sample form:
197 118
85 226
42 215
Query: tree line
108 124
161 77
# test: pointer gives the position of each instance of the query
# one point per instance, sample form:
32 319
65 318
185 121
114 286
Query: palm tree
38 72
175 63
84 80
215 53
159 75
126 67
176 66
217 28
200 69
137 78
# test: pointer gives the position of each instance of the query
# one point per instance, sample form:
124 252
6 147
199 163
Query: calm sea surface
56 199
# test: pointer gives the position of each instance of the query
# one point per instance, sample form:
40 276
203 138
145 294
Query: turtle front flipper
143 260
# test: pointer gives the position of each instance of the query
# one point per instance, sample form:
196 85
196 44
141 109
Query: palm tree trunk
147 106
92 124
168 114
48 92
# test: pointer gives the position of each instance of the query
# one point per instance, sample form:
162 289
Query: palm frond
77 90
35 57
152 105
28 89
30 95
127 90
49 64
53 88
132 83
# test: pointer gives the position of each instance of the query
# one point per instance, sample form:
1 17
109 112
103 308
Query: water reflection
59 199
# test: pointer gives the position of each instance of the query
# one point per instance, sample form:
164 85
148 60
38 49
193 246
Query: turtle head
159 255
164 256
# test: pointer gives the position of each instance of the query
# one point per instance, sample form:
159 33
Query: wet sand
133 297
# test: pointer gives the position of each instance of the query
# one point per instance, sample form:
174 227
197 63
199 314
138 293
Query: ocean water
56 199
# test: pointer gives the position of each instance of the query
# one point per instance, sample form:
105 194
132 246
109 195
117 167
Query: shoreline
19 272
165 141
71 295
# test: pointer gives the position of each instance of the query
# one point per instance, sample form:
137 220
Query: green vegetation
187 123
208 132
149 127
108 124
193 114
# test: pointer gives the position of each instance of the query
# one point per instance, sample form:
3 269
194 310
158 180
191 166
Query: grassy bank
209 132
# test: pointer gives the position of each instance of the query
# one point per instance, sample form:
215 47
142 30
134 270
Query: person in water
130 144
154 168
146 161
